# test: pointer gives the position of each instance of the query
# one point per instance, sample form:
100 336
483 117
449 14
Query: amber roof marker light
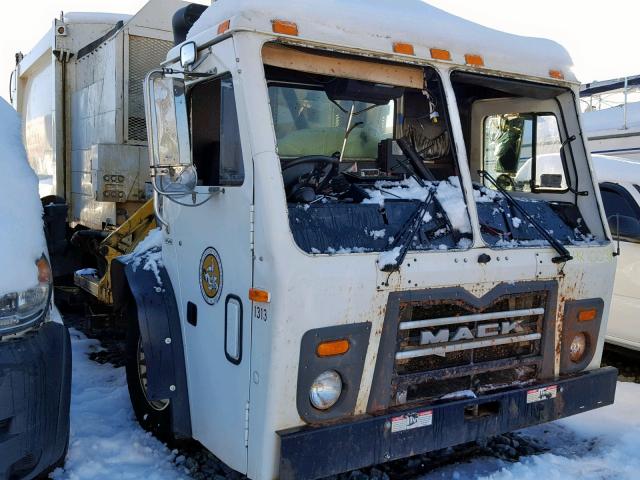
403 48
474 59
440 54
284 27
557 74
224 26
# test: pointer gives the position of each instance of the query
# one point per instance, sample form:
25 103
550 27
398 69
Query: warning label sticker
411 421
544 393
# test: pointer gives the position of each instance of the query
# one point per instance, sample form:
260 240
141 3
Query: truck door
211 241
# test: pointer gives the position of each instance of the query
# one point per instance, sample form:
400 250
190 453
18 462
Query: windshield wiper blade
406 233
564 255
416 161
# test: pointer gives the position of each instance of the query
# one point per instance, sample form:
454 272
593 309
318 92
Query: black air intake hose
184 19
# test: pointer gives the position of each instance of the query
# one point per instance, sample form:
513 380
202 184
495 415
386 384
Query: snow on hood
22 240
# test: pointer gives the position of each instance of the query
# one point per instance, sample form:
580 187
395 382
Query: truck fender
159 322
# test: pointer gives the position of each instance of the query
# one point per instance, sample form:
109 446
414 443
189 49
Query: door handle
233 329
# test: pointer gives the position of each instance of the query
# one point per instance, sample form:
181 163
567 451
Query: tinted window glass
616 204
217 153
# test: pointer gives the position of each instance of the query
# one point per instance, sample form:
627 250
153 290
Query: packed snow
448 192
404 19
106 441
389 257
21 210
596 445
148 253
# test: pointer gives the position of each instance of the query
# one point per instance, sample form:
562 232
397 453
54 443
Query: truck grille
444 346
440 343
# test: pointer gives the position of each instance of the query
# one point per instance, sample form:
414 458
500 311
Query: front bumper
308 453
35 387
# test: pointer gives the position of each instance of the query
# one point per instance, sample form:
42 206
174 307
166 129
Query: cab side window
523 152
215 134
617 201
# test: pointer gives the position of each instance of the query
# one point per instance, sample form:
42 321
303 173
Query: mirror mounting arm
186 73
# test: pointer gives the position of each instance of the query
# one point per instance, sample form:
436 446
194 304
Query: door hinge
251 226
246 425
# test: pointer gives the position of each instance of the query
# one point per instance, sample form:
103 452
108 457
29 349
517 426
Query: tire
153 416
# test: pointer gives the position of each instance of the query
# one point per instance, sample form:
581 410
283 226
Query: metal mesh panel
145 54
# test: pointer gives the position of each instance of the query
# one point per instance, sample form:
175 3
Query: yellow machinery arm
121 241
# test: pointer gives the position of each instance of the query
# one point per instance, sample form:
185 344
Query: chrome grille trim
478 317
457 347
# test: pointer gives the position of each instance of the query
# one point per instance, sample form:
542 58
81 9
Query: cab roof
375 25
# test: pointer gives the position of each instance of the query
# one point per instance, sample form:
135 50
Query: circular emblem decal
211 276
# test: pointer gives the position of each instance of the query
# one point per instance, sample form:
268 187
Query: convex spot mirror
188 54
625 228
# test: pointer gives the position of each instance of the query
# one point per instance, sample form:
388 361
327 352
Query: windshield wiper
564 255
407 231
416 161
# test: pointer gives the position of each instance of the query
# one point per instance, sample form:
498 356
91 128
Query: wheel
153 415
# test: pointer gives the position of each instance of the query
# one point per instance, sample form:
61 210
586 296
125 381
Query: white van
619 180
35 352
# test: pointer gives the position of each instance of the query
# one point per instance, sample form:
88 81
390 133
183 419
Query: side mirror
625 228
188 54
168 134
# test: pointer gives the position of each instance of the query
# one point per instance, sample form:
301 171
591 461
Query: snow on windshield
447 192
21 210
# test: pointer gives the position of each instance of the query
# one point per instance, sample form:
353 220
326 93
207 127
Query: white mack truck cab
364 253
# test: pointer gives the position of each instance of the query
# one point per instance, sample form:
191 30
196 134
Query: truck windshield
316 125
366 159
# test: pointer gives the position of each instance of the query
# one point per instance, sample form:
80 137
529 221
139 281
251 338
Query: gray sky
600 40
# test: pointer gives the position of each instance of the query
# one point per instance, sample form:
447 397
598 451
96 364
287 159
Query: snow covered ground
107 443
596 445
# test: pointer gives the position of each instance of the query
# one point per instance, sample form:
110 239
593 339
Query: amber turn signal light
284 27
587 315
333 348
257 295
44 270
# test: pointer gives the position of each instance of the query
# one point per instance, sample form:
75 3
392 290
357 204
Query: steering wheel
297 178
505 181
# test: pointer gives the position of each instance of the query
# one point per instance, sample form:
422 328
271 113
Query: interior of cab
518 147
362 146
368 162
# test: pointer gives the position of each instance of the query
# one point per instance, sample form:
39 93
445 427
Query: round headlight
578 347
325 390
